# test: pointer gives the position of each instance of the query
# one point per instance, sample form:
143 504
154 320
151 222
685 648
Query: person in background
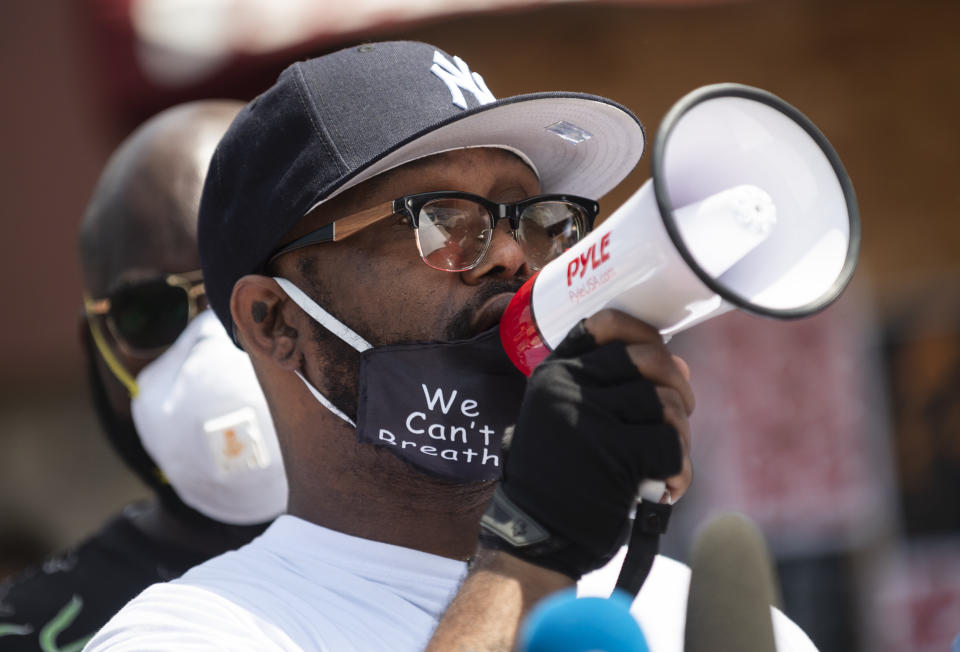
176 399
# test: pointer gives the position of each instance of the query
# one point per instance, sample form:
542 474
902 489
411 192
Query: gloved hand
590 429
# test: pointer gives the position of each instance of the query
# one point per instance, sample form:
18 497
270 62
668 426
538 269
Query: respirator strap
115 366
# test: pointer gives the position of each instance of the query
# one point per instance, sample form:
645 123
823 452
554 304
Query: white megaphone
748 206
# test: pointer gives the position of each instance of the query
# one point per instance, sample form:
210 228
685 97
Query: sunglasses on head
454 229
147 316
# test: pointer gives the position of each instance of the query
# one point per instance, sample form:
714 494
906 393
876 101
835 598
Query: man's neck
390 502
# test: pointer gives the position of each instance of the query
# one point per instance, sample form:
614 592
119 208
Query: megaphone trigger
655 491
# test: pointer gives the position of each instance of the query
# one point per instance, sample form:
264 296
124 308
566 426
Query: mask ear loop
333 325
321 316
324 401
111 360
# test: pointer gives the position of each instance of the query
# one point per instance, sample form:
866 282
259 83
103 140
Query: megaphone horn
748 206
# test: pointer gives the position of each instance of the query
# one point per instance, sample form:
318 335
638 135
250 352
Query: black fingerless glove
590 430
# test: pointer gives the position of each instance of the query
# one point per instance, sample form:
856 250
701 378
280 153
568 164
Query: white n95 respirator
202 417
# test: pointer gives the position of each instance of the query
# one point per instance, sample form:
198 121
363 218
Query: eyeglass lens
454 234
149 315
549 228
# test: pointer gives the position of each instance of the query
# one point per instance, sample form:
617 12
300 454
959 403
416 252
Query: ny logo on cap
457 76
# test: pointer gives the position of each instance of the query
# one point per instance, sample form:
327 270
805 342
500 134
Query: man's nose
504 258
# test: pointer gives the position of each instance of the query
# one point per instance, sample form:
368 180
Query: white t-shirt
300 586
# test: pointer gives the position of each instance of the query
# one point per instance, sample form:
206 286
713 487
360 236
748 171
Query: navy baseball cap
335 121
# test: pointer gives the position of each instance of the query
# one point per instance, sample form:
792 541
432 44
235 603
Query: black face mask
443 407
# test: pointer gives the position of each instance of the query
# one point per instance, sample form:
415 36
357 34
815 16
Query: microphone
565 623
732 588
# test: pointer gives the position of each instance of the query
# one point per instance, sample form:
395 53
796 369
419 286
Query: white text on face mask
417 424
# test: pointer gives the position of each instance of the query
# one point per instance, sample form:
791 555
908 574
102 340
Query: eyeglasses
454 229
147 316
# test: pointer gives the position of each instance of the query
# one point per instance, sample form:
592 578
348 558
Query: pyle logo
458 78
592 258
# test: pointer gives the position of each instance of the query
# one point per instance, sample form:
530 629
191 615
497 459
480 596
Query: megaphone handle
650 522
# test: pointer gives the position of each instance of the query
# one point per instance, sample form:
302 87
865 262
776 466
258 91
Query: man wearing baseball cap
363 225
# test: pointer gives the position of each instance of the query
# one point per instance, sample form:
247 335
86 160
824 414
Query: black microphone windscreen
731 589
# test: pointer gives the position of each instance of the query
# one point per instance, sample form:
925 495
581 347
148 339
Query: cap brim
578 144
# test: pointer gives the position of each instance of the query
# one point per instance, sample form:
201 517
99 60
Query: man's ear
261 313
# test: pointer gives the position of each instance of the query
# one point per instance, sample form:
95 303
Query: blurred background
839 435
